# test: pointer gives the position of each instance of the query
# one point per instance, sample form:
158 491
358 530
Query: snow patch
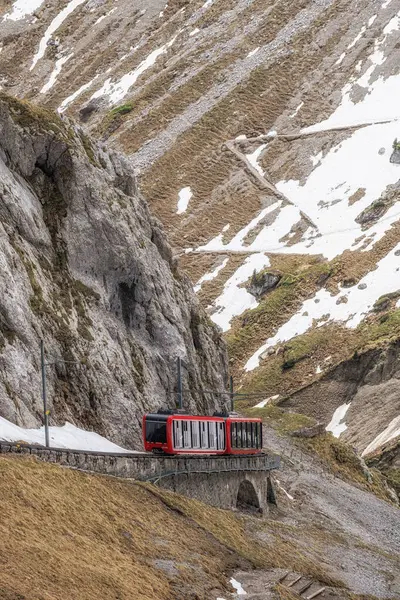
21 9
194 32
100 19
236 299
210 276
283 490
300 106
336 427
56 71
379 104
67 436
238 587
253 158
357 38
391 432
116 91
253 52
263 403
52 28
64 105
183 201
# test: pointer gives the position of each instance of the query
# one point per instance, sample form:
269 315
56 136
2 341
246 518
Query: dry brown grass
66 534
237 533
198 160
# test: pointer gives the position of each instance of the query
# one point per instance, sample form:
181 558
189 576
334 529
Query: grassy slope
302 276
337 456
66 534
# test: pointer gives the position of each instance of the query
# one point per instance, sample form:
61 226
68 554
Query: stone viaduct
242 482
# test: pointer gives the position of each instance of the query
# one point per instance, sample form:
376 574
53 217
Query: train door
204 434
195 434
212 434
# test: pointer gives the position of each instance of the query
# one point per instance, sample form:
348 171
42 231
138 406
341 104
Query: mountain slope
86 268
263 133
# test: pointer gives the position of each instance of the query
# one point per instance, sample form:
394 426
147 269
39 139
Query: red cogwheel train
176 433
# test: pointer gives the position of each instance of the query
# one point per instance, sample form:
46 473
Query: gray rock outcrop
395 156
261 283
87 268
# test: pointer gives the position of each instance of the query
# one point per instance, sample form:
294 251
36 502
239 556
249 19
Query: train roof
164 415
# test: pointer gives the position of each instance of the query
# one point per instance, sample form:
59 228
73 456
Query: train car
177 433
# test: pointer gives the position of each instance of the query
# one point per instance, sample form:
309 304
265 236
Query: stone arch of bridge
247 498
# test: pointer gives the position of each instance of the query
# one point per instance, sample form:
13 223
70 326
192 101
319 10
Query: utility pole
179 375
231 394
46 411
44 396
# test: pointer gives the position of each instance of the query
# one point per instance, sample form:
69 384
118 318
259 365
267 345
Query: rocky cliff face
367 388
87 268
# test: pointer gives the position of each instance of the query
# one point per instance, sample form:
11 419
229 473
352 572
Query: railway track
21 447
145 466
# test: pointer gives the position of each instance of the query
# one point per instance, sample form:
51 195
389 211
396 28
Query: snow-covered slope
67 436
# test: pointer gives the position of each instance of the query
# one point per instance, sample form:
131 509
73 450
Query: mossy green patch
343 461
123 109
296 284
27 115
283 421
89 149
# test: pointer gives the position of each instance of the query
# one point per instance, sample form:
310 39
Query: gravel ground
354 535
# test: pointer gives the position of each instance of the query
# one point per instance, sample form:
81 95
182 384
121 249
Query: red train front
171 433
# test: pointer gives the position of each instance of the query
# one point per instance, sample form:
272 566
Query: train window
204 435
187 442
243 429
256 435
212 435
156 432
240 435
195 434
221 436
236 439
178 434
233 435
